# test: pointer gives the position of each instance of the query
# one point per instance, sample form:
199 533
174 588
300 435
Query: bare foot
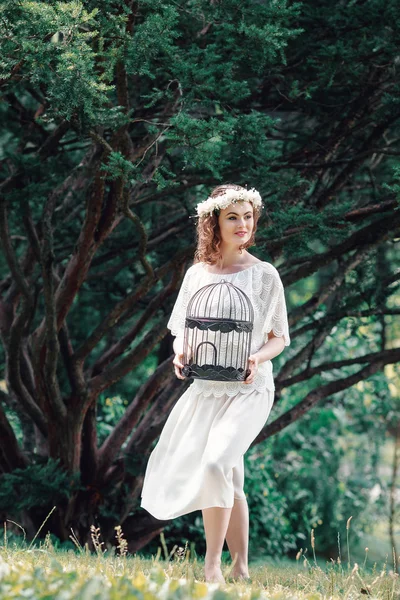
213 573
242 574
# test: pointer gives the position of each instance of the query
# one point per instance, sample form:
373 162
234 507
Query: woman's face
236 223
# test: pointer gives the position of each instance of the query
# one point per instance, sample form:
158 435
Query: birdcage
218 329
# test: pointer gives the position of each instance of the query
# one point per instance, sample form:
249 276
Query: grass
378 543
43 573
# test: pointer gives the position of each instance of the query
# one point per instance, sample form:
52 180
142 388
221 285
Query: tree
118 118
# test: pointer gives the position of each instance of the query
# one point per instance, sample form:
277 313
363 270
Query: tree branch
47 148
377 236
325 391
107 273
130 361
321 296
13 368
305 353
78 179
112 319
121 309
96 137
343 176
365 236
50 145
30 228
52 347
8 442
111 446
78 266
310 372
89 452
143 237
155 238
120 346
9 253
276 244
336 317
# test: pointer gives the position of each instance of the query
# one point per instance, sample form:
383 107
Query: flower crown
229 196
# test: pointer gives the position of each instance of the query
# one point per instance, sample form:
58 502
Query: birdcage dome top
221 300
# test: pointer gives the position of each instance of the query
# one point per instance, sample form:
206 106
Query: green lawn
45 574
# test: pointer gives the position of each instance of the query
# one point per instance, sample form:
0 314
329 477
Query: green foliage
117 167
35 486
395 187
154 39
109 412
51 43
271 530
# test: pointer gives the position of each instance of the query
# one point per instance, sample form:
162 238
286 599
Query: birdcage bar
218 330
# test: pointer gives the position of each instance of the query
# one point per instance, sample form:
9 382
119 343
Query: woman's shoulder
265 266
191 272
269 274
194 267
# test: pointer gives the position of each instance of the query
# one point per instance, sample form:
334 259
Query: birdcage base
215 373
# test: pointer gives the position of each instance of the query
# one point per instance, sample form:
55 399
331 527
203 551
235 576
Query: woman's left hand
253 366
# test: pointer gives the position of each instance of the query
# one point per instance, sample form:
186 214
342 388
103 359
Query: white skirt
198 460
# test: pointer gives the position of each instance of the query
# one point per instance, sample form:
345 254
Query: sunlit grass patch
43 573
39 571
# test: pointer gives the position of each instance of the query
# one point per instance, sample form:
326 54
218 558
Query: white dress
198 460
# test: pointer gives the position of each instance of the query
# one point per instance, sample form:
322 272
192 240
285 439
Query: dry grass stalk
348 545
122 543
97 544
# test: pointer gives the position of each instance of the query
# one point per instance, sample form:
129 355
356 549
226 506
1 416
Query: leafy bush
35 486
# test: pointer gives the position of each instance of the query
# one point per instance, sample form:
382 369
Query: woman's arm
178 359
178 345
272 348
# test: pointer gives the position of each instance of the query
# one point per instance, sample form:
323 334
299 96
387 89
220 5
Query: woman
198 461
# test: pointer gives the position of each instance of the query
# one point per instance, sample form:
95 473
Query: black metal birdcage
218 329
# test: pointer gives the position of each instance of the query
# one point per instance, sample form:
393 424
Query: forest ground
44 573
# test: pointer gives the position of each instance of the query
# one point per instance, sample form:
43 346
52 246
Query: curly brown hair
208 233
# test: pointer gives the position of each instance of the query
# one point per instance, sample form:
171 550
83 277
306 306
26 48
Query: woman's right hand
178 365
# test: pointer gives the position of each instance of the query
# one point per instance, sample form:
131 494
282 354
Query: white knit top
262 284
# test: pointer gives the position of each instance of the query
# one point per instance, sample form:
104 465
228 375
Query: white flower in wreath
229 196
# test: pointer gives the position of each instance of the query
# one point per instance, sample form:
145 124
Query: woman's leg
237 537
216 521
